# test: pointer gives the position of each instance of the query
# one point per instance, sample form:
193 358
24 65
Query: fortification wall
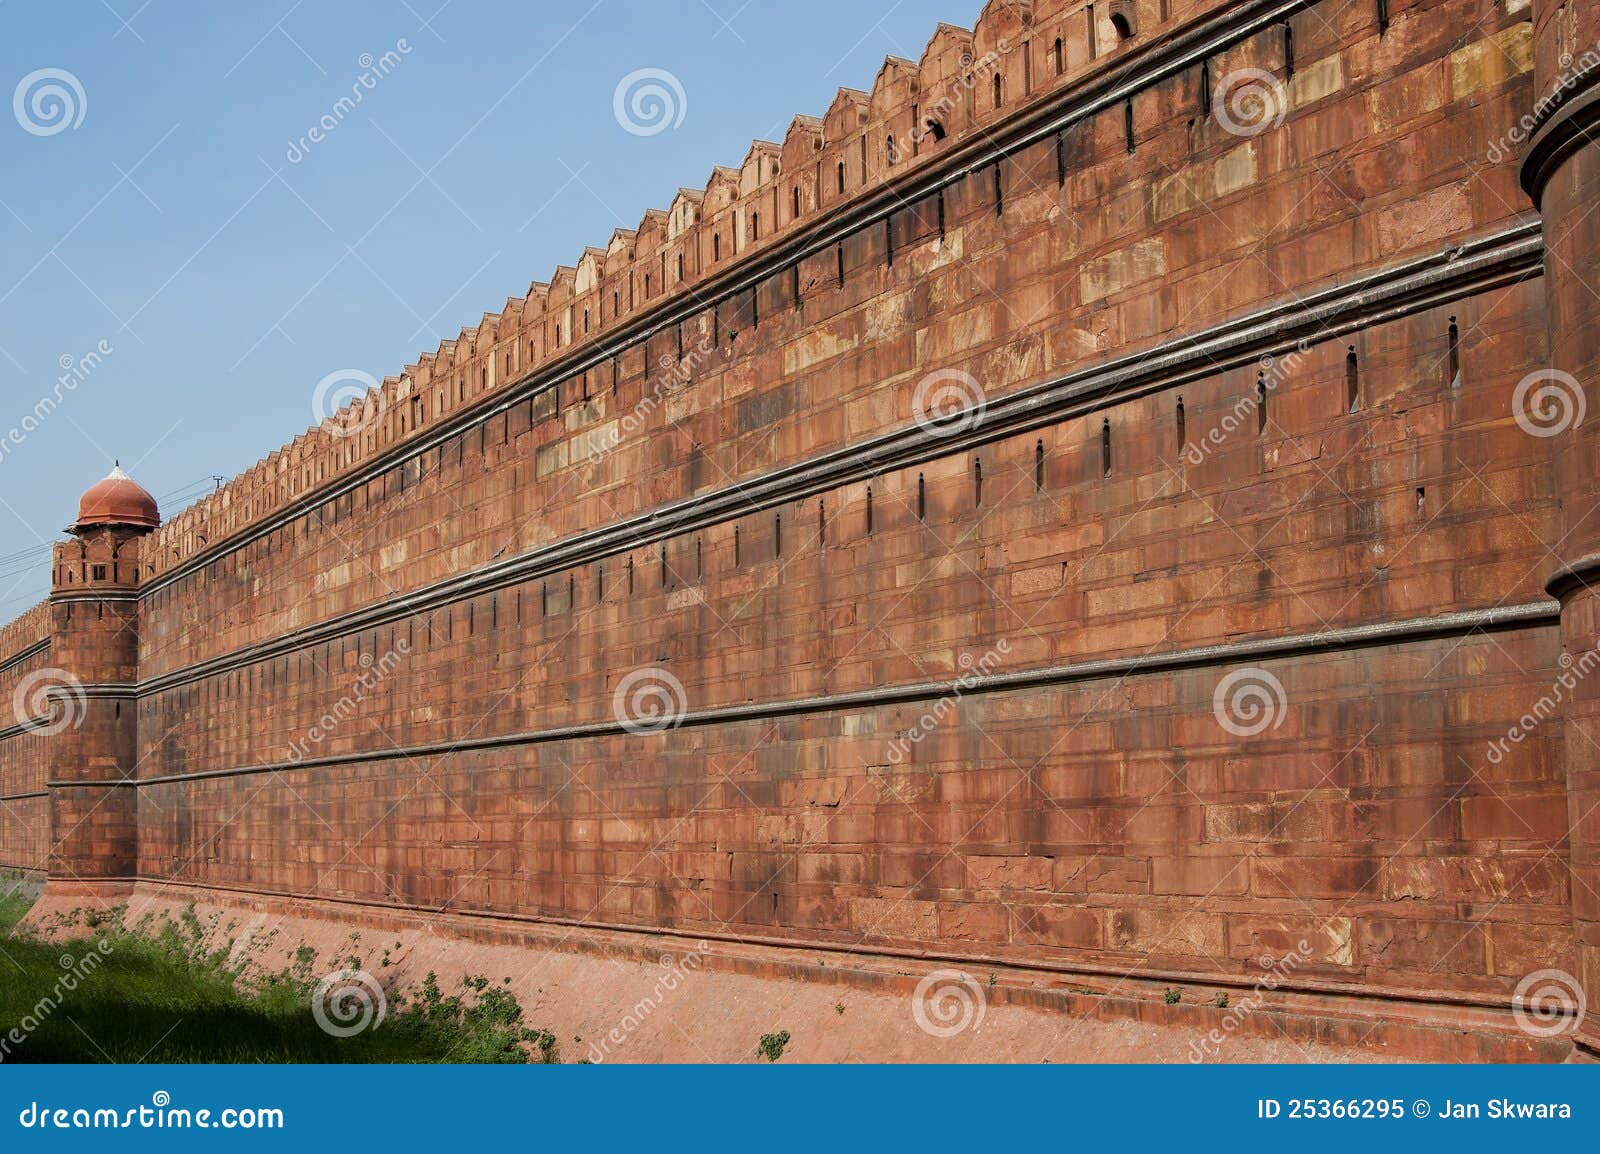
1064 277
823 166
24 751
1315 524
1114 814
1246 408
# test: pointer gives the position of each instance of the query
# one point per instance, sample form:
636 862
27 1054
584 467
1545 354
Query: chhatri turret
92 741
113 515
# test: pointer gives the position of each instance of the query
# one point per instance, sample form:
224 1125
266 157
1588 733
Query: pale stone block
1488 62
1323 78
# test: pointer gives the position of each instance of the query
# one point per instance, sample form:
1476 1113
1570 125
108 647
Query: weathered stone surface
463 752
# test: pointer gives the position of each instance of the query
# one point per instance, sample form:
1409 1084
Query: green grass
160 997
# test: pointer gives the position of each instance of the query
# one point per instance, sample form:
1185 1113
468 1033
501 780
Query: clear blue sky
226 281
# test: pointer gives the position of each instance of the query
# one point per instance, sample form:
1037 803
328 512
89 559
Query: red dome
117 500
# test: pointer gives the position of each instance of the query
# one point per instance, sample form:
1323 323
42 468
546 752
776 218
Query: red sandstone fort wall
318 717
1380 156
24 808
823 165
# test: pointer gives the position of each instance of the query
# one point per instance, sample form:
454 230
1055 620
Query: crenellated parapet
1245 416
1017 53
24 631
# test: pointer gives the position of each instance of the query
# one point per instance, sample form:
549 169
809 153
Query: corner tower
95 647
1561 172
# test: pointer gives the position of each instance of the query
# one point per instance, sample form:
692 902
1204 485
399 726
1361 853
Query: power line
26 560
198 481
30 551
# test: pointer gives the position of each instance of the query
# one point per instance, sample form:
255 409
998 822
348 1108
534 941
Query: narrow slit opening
1454 359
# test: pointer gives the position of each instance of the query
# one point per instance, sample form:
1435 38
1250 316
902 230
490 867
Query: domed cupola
117 500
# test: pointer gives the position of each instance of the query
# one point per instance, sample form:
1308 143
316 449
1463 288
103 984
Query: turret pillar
1561 172
93 724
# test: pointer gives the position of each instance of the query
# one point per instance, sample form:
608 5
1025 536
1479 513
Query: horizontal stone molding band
93 597
23 797
110 691
106 692
33 724
1145 65
22 655
1362 999
1530 615
1478 265
1572 126
1584 573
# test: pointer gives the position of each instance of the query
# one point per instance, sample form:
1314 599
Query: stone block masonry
1082 507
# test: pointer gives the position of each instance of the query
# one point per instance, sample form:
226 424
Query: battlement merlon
1018 52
